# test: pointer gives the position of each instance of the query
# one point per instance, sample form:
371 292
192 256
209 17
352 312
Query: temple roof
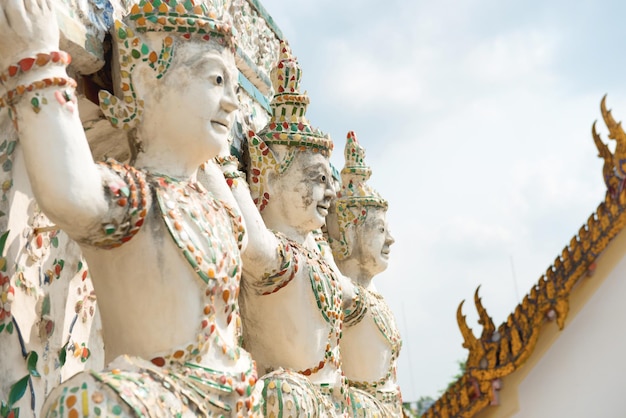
499 352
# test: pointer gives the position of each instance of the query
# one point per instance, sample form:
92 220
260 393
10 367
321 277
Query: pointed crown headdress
184 19
288 126
355 195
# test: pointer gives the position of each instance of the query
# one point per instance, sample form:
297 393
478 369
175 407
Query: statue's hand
27 27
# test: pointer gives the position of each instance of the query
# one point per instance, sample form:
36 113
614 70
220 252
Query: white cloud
507 57
360 79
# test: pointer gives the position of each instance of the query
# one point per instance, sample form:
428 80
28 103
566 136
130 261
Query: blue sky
476 116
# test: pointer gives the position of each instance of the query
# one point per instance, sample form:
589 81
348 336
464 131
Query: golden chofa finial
608 172
616 133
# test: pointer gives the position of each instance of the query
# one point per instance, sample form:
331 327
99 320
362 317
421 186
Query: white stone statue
292 301
163 252
360 241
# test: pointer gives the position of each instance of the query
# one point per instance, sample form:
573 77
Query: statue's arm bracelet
357 310
39 60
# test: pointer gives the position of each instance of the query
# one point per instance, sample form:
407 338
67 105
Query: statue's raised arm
40 96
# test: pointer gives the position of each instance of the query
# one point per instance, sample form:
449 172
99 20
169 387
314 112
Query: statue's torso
295 322
371 347
181 304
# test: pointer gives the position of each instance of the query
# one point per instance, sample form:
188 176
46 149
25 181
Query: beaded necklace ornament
287 126
355 196
180 19
196 221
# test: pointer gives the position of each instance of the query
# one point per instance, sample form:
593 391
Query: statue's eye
219 80
323 179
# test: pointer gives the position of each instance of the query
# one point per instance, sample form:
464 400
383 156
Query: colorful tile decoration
287 126
144 388
286 391
127 187
7 295
355 196
358 308
39 60
176 19
14 95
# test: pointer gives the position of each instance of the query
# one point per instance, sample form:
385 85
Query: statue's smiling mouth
219 123
323 209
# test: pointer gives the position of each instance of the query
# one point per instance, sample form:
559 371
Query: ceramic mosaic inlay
185 207
358 308
40 60
287 393
45 271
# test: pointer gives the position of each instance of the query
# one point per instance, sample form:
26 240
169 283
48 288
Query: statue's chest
326 290
203 230
385 321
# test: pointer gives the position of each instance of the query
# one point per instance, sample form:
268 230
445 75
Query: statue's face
195 102
301 196
373 241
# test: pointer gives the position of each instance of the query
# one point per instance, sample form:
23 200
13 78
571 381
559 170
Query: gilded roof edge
499 352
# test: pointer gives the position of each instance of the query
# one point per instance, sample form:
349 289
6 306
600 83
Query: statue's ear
342 239
262 164
125 111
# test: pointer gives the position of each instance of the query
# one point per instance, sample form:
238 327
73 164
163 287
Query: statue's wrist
229 165
64 92
226 162
35 67
357 309
234 177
